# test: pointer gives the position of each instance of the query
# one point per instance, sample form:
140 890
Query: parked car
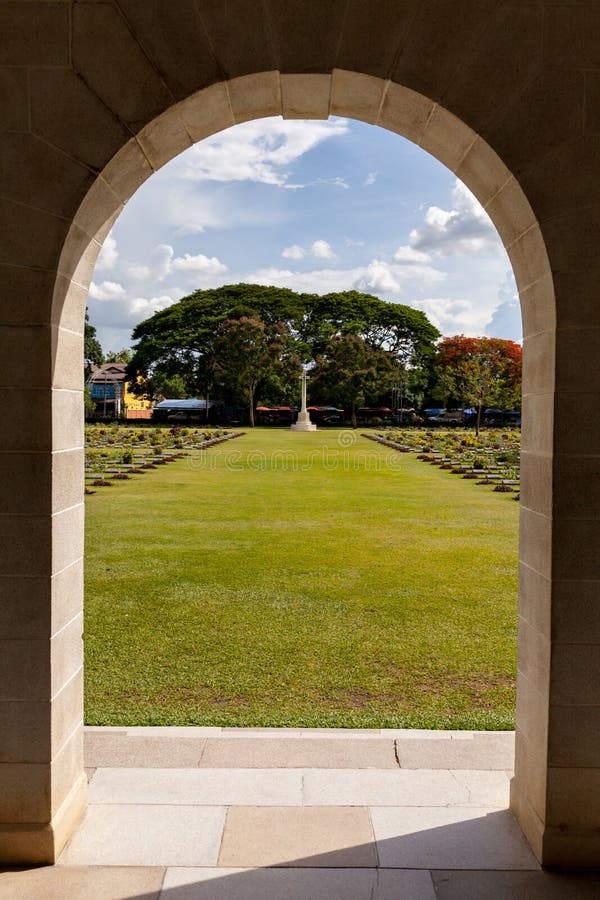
450 417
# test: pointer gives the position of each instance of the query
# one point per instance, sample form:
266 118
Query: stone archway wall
99 95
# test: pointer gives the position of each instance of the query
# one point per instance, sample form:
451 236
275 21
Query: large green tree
178 341
246 353
169 387
350 372
404 331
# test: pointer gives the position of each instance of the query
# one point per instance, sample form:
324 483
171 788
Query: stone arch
375 101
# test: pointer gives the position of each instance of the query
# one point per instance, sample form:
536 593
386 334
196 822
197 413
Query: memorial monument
303 422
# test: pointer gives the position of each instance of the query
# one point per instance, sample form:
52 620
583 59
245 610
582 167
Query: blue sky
315 206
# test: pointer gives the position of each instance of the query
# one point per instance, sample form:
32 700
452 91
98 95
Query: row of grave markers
102 472
505 479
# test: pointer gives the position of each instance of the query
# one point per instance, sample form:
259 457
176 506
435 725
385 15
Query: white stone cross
303 422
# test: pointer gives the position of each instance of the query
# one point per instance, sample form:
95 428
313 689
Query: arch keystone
255 96
305 96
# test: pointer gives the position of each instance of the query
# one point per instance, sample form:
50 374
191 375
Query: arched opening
43 512
428 124
331 680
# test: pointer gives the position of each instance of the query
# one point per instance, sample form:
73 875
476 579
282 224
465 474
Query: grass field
301 580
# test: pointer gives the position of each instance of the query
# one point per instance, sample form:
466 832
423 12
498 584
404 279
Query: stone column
556 791
42 782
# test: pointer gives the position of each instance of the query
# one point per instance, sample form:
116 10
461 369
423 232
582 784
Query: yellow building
110 394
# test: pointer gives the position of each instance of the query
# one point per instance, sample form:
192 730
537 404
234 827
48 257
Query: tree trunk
251 412
353 415
478 420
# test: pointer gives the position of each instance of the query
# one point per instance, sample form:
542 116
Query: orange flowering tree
481 371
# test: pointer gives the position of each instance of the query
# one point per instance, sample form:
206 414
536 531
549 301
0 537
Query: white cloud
464 229
319 249
293 252
125 313
141 307
320 281
405 254
454 316
353 242
505 321
208 265
160 261
387 280
139 272
163 262
192 209
107 290
322 250
378 278
370 179
336 181
260 151
108 256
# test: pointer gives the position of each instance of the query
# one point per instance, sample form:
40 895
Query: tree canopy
118 356
247 352
193 339
350 371
480 371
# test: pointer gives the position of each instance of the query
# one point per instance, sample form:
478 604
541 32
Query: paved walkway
238 814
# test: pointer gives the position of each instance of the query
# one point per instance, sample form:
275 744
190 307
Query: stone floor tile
450 838
117 749
120 835
221 787
481 751
403 884
362 787
489 788
299 753
81 883
297 884
305 836
517 885
271 884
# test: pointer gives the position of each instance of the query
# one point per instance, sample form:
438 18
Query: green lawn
286 579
